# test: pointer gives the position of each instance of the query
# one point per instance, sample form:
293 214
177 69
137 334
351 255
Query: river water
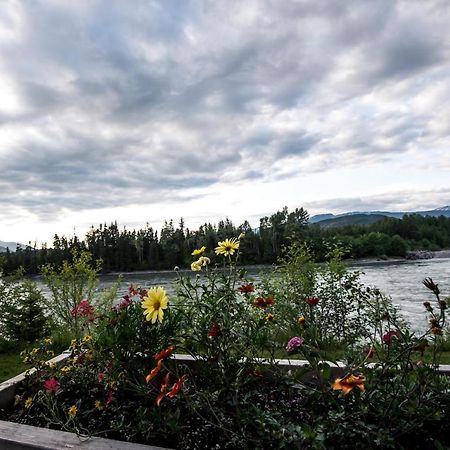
401 280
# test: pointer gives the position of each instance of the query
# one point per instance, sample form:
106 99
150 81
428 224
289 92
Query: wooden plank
15 436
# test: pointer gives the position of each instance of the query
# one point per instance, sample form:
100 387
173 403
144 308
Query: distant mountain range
368 217
11 245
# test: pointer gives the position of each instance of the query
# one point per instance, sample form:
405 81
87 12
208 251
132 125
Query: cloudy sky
140 111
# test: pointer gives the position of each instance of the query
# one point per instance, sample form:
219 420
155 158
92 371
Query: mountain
11 245
443 211
351 219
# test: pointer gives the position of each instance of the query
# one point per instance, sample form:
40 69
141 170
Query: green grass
10 365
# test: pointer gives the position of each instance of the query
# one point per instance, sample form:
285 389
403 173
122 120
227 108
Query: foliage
122 380
22 305
71 284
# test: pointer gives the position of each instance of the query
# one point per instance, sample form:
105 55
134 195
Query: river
401 280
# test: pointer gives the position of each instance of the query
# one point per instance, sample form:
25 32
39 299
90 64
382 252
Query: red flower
387 338
176 388
246 288
163 354
214 331
109 397
51 385
154 372
83 309
163 389
313 301
261 302
100 377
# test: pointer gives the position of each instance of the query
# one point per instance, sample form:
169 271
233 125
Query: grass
10 365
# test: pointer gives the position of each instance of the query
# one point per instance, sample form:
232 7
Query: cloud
107 104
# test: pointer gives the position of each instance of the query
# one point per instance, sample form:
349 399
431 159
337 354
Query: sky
141 111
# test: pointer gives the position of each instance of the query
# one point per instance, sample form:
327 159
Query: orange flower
261 302
154 372
176 387
163 354
301 320
163 389
347 383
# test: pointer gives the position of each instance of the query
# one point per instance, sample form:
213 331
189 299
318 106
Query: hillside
354 219
443 211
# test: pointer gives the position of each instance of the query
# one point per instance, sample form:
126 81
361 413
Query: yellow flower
196 266
269 317
241 236
72 411
28 402
98 405
154 302
227 247
301 320
87 338
34 351
204 260
73 344
66 369
89 355
48 341
198 251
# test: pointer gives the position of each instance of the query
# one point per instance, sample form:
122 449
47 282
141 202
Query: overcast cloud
107 104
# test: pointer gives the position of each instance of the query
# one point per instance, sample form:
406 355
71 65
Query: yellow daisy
227 247
154 302
72 411
198 251
28 402
196 266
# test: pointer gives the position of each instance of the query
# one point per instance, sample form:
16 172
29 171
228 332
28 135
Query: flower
154 303
87 338
154 372
269 317
246 288
98 405
227 247
163 354
176 388
109 398
198 251
48 341
428 306
241 236
261 302
51 385
442 304
72 411
204 261
313 301
83 309
349 382
163 389
66 369
28 402
294 343
431 285
196 266
301 320
100 377
214 330
387 338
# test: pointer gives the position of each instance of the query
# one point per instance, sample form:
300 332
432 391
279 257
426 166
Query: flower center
157 304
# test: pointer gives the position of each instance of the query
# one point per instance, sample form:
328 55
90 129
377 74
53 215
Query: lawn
10 365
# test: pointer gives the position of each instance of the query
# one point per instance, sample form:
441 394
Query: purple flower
293 343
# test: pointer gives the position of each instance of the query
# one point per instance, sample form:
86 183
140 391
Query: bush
22 305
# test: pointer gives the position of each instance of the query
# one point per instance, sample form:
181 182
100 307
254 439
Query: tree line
122 250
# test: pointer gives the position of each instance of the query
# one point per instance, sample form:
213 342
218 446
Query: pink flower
387 338
294 343
100 377
51 385
109 398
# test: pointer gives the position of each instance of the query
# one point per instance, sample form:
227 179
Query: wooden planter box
14 436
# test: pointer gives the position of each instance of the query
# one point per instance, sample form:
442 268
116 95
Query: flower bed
123 380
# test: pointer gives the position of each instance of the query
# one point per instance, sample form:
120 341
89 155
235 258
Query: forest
120 249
